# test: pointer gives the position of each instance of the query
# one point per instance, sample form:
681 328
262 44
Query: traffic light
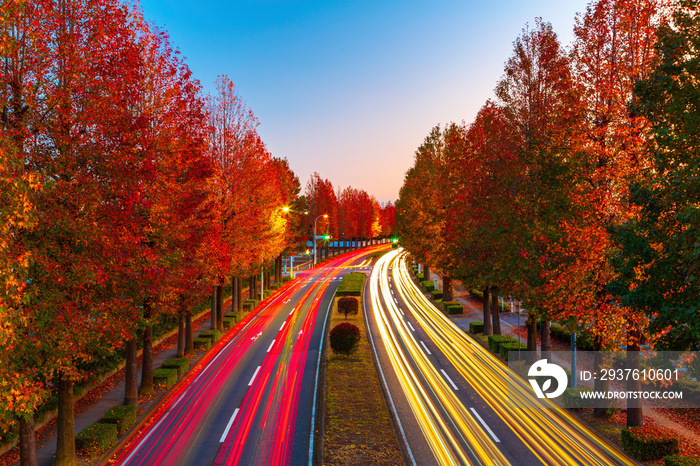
326 237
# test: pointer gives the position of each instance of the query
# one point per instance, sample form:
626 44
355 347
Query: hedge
201 343
230 320
506 346
427 285
351 284
96 438
164 377
436 294
181 364
249 304
286 278
647 449
419 276
476 327
496 340
121 415
677 460
572 397
213 335
584 342
275 286
453 307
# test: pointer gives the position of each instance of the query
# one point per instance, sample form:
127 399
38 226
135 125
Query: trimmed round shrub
348 305
345 338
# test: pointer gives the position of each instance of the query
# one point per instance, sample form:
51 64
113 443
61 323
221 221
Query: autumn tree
538 94
613 49
321 200
655 262
81 241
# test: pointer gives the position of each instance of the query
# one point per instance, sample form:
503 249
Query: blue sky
351 88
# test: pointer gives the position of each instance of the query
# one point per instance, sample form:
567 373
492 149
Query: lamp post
286 209
324 216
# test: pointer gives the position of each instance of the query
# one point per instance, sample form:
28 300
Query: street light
286 209
324 216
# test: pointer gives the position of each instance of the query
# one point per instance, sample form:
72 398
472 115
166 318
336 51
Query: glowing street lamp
286 209
324 216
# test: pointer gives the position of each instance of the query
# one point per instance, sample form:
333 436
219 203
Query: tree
321 200
344 338
538 93
348 305
81 242
614 48
655 262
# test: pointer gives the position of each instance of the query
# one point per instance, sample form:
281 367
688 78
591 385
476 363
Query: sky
350 89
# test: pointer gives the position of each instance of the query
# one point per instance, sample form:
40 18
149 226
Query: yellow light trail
446 436
549 431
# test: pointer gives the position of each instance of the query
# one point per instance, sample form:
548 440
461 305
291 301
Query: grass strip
357 427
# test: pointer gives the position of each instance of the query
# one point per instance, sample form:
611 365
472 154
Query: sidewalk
95 403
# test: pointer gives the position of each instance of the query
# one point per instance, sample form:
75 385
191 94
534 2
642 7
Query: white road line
273 342
283 325
425 347
228 426
292 311
409 324
488 429
449 379
396 301
254 375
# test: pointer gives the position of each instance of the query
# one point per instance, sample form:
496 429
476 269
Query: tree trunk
131 383
251 287
147 387
600 385
181 327
27 441
266 276
220 304
189 339
495 311
531 338
635 415
545 340
447 294
488 329
65 424
235 297
239 293
426 272
213 308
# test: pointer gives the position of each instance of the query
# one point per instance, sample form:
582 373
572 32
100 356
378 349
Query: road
253 398
452 397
